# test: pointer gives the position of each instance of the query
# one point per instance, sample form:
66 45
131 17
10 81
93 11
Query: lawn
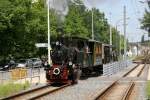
148 89
11 88
138 57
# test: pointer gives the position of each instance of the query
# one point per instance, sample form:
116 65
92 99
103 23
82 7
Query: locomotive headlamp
57 43
70 63
56 71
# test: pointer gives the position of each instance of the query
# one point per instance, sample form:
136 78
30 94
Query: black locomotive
74 56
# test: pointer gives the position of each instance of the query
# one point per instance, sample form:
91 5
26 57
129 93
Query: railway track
117 91
45 90
36 93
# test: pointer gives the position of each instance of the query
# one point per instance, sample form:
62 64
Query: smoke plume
61 6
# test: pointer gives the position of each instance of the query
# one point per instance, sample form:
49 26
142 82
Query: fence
20 75
111 68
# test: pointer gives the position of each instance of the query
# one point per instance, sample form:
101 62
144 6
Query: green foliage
122 43
146 22
23 23
78 23
74 24
101 27
115 38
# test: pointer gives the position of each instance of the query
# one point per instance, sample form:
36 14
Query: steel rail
49 92
129 89
105 90
32 91
141 70
25 92
131 86
131 70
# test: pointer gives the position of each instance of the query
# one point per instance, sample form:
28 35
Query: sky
134 11
113 10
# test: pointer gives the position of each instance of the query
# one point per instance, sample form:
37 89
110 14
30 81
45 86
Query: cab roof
86 39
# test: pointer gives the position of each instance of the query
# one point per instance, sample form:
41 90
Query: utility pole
48 27
92 26
110 37
110 31
124 25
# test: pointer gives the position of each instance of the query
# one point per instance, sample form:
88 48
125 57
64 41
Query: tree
146 21
100 25
74 24
122 40
6 40
22 24
78 23
116 39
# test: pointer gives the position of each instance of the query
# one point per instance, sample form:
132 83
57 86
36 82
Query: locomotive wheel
47 76
76 76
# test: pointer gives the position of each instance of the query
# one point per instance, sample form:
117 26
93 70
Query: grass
139 57
11 88
148 89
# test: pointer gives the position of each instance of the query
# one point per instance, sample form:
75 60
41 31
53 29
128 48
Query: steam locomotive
74 56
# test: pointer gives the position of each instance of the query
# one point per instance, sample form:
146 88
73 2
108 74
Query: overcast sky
135 11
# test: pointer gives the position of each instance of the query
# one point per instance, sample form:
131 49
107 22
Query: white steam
61 6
